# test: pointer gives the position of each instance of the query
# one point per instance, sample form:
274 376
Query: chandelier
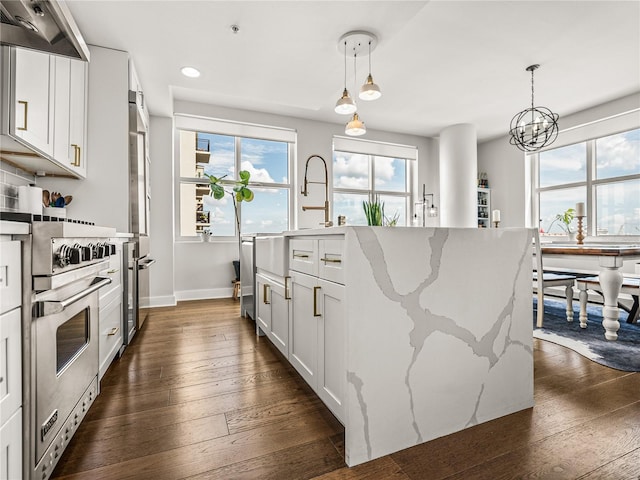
533 128
363 43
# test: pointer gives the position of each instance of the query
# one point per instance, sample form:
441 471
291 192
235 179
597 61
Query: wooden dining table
610 259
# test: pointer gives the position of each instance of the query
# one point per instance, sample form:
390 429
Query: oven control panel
66 253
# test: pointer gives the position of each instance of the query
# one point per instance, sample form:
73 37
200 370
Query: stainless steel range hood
45 25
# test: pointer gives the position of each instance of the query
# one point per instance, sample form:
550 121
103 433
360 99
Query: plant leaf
244 176
217 191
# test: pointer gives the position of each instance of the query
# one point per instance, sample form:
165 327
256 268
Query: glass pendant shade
370 91
345 105
355 127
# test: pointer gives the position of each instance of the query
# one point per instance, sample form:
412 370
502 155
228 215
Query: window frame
590 184
179 180
371 191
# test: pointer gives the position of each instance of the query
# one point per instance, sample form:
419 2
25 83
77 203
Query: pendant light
370 91
533 128
355 127
345 104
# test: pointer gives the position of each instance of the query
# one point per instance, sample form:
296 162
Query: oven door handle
49 307
146 264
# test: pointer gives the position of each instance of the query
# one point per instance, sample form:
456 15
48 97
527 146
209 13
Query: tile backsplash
10 179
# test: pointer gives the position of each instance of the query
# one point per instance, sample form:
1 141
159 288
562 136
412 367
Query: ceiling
438 63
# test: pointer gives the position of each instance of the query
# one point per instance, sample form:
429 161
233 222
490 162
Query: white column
458 176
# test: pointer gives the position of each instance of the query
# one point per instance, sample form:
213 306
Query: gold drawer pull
315 302
301 255
265 286
113 331
287 293
76 155
26 112
331 260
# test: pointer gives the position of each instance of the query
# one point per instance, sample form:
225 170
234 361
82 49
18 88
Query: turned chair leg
583 307
569 294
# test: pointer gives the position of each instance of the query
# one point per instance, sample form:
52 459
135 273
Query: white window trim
392 150
238 130
590 183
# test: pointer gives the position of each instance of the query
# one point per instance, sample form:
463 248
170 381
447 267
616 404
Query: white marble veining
439 333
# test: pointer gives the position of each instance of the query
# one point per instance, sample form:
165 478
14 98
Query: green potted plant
240 192
374 211
564 220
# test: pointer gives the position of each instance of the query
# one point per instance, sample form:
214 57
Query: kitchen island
407 334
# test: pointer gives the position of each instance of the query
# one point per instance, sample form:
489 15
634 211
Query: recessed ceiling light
190 72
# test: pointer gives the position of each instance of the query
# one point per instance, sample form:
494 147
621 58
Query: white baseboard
204 294
163 301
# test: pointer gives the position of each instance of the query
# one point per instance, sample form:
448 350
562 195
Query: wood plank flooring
197 395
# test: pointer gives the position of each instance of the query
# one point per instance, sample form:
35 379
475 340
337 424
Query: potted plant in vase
564 220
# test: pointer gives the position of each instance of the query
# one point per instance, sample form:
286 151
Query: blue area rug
622 354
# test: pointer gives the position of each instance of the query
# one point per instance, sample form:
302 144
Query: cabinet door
32 113
263 305
78 115
11 447
62 150
279 333
303 331
10 365
331 347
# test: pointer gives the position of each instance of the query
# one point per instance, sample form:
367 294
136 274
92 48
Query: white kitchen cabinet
317 326
70 113
47 112
31 116
110 313
272 310
10 365
10 359
303 330
11 447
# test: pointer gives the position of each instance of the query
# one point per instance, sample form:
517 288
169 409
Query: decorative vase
572 237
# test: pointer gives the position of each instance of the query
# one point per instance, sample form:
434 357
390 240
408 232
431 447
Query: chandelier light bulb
370 91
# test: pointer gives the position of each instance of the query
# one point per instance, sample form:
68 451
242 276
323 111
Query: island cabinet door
303 331
331 347
279 333
263 307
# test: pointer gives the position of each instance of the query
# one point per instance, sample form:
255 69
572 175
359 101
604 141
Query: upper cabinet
30 118
70 114
44 111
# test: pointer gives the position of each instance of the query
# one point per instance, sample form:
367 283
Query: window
358 177
604 173
223 155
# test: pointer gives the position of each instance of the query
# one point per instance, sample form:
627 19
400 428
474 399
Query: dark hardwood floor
198 396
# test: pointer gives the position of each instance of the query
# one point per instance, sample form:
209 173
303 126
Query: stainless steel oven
63 339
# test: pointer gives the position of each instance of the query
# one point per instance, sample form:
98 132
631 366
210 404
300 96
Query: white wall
204 270
161 274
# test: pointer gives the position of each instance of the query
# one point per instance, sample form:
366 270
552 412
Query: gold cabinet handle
113 331
301 255
331 260
265 286
76 155
315 301
287 293
26 113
